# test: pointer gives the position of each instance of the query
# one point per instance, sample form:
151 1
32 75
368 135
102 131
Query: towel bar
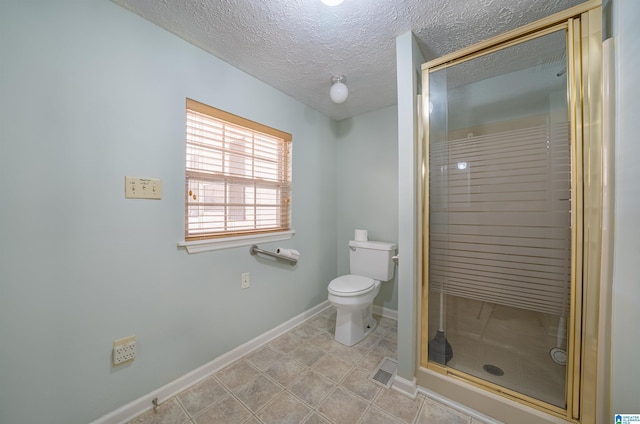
254 250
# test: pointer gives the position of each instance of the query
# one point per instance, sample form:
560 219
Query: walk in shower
502 225
500 216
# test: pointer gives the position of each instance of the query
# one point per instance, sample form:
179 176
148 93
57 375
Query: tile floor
304 376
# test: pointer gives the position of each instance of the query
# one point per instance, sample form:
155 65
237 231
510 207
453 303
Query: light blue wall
367 189
89 93
625 378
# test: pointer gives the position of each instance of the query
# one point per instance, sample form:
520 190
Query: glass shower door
499 217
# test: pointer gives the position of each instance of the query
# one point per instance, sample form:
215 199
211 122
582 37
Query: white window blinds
238 175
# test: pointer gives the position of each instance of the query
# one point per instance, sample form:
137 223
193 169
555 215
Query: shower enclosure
504 220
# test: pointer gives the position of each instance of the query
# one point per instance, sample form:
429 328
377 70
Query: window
238 175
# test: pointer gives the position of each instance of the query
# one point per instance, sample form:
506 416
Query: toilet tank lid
375 245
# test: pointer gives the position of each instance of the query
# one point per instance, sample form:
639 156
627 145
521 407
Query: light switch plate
142 188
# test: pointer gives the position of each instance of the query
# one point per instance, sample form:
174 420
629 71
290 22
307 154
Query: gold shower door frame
583 24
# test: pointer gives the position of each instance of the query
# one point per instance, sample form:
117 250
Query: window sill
200 246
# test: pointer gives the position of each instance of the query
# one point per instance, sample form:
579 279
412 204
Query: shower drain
493 370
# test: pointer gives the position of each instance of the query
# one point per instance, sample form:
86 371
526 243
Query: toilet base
353 325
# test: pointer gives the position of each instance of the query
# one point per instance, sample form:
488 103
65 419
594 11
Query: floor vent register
385 372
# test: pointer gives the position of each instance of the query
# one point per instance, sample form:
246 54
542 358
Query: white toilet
370 263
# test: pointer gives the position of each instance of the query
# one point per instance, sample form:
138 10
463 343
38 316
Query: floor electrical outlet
124 350
245 281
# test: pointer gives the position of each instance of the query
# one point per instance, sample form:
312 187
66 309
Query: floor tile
286 370
386 347
350 354
227 411
333 368
258 392
263 358
312 388
398 405
308 354
285 409
237 374
201 396
392 335
387 322
376 416
320 321
286 343
342 408
371 360
316 419
369 341
324 341
306 331
358 383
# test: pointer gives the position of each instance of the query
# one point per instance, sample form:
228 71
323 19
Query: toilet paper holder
254 250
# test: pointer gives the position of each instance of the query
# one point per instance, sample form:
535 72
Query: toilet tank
372 259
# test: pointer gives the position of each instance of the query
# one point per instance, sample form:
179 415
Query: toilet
370 264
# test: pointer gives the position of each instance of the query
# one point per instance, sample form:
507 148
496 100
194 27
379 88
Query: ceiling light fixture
339 90
332 2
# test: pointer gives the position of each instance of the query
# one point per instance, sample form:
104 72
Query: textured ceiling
296 46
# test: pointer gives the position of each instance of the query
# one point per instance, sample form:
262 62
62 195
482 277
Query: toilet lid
350 284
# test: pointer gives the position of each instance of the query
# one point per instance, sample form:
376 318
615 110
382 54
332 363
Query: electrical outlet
245 281
124 350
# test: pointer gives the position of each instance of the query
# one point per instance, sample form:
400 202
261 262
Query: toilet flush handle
395 259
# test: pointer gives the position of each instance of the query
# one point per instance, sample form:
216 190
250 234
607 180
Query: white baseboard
131 410
387 313
408 388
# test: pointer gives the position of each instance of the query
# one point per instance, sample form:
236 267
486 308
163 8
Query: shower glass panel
499 271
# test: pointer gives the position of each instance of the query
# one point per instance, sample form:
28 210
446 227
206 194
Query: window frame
217 240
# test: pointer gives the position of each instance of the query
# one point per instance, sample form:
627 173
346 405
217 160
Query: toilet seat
351 285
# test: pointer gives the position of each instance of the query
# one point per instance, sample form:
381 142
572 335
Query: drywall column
625 375
408 62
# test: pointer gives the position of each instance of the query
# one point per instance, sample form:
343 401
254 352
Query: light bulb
339 92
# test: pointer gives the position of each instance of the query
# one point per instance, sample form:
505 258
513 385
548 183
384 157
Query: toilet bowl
352 295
